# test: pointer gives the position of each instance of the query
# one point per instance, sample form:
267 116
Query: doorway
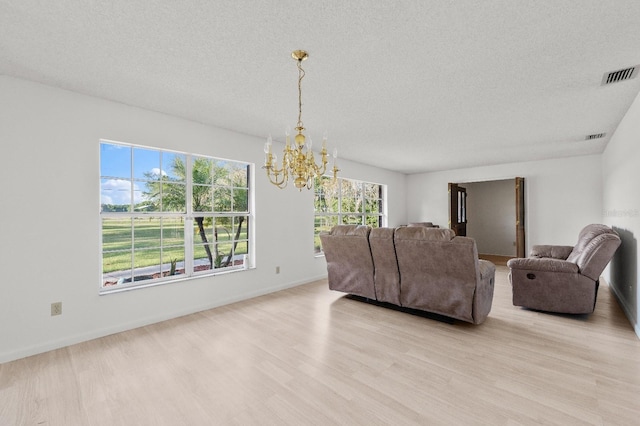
477 210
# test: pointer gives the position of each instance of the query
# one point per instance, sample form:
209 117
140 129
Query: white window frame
340 216
239 263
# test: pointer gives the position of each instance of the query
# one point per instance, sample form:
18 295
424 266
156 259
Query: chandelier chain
301 74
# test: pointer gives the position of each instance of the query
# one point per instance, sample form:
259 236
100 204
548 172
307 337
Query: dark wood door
458 209
520 242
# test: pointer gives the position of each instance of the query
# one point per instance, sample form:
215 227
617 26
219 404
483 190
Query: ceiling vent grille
594 136
620 75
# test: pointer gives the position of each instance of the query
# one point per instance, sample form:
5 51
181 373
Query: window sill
164 281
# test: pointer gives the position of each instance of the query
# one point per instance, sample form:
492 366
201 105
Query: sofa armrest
543 265
483 297
551 251
487 269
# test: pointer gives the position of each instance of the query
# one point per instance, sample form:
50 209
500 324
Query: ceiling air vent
594 136
620 75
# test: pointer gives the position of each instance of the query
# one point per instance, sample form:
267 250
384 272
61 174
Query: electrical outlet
56 308
277 269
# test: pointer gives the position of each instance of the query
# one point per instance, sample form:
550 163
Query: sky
117 168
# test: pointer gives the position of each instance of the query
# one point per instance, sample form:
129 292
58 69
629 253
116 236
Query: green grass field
157 242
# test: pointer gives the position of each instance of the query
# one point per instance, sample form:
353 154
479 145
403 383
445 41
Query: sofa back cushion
439 272
385 265
425 224
596 245
349 261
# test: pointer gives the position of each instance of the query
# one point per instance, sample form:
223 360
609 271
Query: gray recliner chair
564 279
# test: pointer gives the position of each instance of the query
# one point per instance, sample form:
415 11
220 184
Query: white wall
621 209
491 216
50 219
561 195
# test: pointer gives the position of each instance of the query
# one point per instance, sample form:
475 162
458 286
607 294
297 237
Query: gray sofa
564 279
414 267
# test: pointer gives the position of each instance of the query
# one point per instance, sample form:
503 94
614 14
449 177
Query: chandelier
298 162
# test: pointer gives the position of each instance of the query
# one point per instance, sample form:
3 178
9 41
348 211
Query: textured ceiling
405 85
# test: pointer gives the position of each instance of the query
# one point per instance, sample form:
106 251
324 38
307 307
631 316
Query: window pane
240 175
115 195
202 198
371 191
174 166
223 230
322 224
115 161
352 220
116 234
221 199
222 172
202 230
202 171
172 261
242 248
146 164
224 255
239 230
327 192
202 257
146 264
240 200
146 232
374 221
116 250
173 232
140 198
174 197
116 268
372 206
351 196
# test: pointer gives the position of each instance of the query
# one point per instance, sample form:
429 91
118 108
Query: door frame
519 201
457 210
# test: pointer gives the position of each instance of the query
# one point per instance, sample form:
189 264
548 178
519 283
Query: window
169 215
348 202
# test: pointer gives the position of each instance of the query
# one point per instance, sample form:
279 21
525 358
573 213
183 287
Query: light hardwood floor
496 259
310 356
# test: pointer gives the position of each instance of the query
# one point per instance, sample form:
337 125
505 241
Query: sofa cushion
424 233
385 264
349 261
425 224
438 273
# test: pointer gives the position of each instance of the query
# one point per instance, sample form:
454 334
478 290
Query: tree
211 191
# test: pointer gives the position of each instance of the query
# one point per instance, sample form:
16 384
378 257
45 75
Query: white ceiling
410 86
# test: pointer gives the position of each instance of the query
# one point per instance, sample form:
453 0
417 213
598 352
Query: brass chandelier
298 162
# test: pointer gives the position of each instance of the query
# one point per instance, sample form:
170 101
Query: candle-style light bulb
267 145
335 153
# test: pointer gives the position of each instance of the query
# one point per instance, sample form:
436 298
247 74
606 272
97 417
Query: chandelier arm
281 183
324 169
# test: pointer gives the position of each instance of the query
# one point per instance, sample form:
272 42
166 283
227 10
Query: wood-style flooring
309 356
496 259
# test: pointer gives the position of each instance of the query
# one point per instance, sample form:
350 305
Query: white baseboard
95 334
625 307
